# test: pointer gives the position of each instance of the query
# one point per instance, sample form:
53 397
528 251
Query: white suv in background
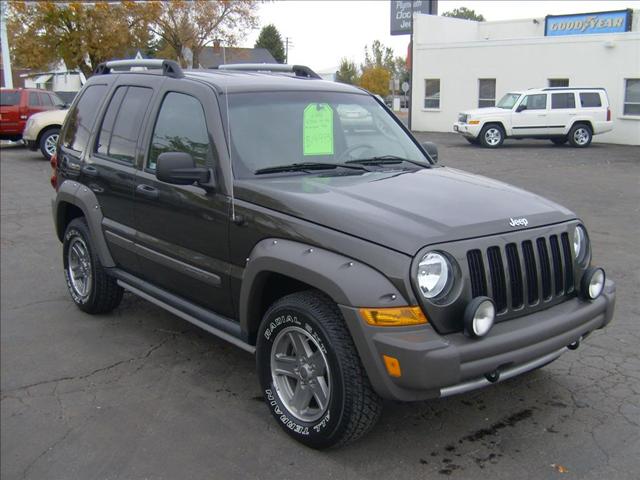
558 114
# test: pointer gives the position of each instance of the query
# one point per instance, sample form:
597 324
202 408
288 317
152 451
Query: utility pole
288 42
411 72
6 59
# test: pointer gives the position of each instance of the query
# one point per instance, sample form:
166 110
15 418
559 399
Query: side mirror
520 108
179 168
432 150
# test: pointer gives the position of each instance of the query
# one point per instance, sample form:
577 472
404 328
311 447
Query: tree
270 39
82 35
401 70
376 80
347 73
194 24
380 56
464 13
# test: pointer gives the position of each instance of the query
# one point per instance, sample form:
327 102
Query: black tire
472 141
559 141
491 136
353 408
103 293
47 137
580 135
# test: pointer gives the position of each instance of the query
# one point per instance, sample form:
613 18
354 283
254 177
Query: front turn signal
474 122
393 316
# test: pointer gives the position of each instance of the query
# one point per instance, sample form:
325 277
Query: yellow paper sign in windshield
317 129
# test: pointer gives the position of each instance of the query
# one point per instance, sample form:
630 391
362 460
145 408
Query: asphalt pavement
141 394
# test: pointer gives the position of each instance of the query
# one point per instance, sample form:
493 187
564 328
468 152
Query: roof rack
298 70
571 88
170 68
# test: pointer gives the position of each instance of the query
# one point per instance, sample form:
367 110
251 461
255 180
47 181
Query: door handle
147 191
90 171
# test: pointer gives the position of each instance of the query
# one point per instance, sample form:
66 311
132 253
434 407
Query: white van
558 114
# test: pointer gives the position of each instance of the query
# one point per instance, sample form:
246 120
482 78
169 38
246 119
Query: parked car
42 131
350 263
17 105
558 114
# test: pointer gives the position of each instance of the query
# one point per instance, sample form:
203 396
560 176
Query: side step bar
217 325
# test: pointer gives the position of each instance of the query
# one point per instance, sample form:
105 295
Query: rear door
532 120
562 112
182 230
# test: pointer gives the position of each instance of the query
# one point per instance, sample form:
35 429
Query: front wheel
491 136
580 136
49 142
310 373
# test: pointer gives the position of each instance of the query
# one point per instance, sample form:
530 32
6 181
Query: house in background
216 55
65 83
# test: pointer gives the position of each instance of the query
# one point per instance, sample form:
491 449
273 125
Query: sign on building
401 13
588 23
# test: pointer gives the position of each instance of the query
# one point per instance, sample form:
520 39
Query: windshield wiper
302 166
387 160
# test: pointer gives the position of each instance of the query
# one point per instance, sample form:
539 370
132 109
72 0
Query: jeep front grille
523 274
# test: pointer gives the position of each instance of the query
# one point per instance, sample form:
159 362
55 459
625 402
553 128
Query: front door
530 116
182 230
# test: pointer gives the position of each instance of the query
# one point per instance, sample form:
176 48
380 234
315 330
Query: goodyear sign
588 23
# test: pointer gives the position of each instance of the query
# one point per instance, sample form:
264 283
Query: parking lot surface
140 393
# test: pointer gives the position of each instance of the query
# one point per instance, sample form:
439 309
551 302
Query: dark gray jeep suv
300 220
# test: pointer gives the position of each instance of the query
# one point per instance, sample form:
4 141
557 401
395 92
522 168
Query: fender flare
74 193
348 282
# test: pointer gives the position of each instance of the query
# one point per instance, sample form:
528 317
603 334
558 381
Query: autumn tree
376 80
347 72
81 34
195 24
270 39
464 13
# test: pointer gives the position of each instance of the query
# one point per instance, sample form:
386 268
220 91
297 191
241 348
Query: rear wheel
491 136
91 289
311 375
580 135
559 141
49 142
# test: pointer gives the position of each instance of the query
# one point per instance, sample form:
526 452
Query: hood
50 116
405 211
480 112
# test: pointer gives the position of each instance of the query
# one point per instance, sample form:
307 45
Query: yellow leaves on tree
376 80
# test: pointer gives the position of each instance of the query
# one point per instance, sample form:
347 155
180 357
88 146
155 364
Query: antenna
233 203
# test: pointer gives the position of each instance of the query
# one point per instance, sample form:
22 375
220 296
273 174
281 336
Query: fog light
479 316
593 283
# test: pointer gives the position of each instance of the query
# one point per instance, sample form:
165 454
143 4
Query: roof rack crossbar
549 89
298 70
170 68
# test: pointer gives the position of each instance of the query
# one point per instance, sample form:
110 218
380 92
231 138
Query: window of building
563 100
558 82
122 123
80 119
432 93
34 100
632 96
181 127
590 99
486 92
535 102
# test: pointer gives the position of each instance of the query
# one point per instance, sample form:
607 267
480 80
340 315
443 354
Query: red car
18 104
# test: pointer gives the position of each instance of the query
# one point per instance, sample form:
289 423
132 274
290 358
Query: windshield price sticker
317 131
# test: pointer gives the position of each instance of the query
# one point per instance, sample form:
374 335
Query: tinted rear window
590 99
563 100
9 98
81 118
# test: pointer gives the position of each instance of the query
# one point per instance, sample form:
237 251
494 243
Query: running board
504 375
225 329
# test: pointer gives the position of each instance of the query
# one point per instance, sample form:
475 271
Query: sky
322 32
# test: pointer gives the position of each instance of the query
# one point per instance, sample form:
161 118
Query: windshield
273 129
508 101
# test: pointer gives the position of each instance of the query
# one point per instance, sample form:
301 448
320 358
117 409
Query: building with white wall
461 64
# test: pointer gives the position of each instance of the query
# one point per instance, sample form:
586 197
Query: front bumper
435 365
471 131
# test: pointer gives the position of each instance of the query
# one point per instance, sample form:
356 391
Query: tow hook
574 345
493 377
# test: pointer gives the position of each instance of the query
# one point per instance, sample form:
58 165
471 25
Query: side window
563 100
181 127
122 123
80 120
34 101
590 99
486 92
535 102
45 100
432 93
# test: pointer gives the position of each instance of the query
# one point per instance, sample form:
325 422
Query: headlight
580 244
434 274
